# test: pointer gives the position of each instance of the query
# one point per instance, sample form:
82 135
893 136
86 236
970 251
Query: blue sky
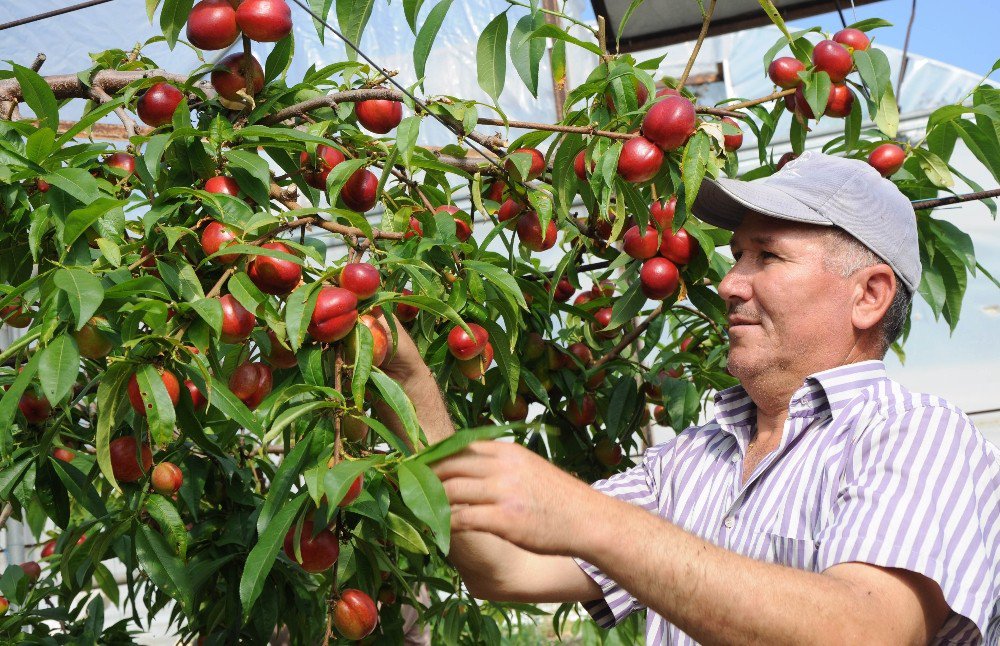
959 32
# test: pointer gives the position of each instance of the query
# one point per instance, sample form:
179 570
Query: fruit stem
633 334
707 18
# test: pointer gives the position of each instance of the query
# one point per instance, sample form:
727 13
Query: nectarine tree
229 246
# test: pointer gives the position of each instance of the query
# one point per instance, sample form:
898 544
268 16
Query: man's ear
875 287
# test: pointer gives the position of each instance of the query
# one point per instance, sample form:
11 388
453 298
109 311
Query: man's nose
735 285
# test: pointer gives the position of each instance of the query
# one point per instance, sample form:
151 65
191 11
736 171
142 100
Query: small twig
920 205
906 47
763 99
100 95
707 18
8 509
602 37
332 227
627 340
39 60
702 315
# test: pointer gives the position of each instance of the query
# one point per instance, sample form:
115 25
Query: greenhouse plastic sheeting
451 68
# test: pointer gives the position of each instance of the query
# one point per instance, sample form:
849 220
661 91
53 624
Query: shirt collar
821 392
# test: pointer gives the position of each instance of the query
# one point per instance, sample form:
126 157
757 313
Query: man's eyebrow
760 239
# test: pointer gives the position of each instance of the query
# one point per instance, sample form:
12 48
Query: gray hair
849 255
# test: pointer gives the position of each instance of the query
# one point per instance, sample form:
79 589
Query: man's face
789 315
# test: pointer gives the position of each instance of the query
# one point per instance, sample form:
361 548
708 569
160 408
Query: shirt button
735 458
729 522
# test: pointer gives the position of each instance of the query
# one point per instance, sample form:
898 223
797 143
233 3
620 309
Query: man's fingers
460 465
480 518
468 491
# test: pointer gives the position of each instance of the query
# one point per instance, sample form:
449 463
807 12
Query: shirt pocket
798 551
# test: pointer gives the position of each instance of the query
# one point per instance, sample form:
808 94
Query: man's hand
404 363
506 490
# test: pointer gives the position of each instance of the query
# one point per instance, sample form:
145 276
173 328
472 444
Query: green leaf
339 175
455 443
697 153
161 414
427 35
551 31
210 311
81 487
406 137
501 278
526 52
280 58
503 354
59 368
411 8
298 311
775 16
628 306
817 91
424 494
322 9
84 291
8 404
491 56
352 16
937 171
173 17
229 405
338 479
172 527
252 173
635 4
397 400
869 24
288 416
75 181
364 345
287 474
873 66
261 558
79 220
110 394
404 535
164 569
38 95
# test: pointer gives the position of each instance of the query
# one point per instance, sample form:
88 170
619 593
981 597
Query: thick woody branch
69 86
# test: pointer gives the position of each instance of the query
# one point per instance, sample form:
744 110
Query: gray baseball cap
828 191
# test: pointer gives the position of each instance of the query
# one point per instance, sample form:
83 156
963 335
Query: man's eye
767 254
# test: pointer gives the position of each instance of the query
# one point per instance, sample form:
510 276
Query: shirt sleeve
919 492
641 486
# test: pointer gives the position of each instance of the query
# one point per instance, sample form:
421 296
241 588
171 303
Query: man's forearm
480 558
718 596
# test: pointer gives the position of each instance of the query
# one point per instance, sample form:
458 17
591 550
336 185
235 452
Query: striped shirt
865 471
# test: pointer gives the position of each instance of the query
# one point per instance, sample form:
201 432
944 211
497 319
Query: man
825 503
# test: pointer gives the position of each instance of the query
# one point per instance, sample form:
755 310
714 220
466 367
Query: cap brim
724 203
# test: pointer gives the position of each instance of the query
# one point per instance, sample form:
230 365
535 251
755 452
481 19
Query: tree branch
707 18
98 93
763 99
632 335
69 86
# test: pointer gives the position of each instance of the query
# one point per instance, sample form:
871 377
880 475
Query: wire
388 76
50 14
841 13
